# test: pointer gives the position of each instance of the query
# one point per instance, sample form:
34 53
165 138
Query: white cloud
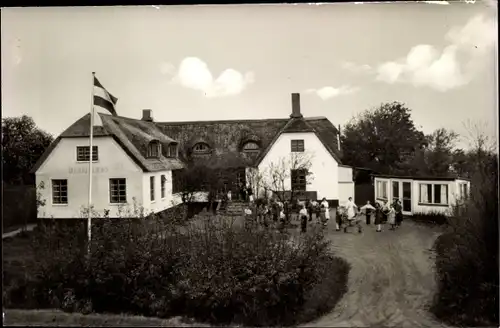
445 69
355 67
328 92
437 2
194 73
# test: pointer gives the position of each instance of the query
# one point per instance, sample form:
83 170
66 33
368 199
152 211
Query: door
406 196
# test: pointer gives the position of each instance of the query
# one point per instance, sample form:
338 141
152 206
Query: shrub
210 270
467 256
433 218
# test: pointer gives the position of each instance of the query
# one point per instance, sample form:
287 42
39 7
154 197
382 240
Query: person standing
309 208
326 206
250 194
316 210
303 219
379 217
399 212
229 196
339 217
351 209
391 217
368 209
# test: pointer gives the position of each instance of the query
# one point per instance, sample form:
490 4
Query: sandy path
391 282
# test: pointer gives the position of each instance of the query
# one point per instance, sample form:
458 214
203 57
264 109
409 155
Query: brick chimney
147 115
296 106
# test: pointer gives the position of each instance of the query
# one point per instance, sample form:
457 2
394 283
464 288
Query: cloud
193 73
328 92
355 67
437 2
449 68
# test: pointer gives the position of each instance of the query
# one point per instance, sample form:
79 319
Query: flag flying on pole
103 98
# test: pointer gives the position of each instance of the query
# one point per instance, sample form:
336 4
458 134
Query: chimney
296 106
146 115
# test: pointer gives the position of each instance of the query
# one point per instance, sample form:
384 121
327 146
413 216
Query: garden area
213 271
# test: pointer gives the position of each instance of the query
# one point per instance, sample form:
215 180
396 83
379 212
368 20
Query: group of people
245 193
390 213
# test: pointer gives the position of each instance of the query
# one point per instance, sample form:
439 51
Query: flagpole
89 221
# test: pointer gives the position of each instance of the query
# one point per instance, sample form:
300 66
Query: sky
243 61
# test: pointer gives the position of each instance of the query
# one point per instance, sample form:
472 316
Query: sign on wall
85 170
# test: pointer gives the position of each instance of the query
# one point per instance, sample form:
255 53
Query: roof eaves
45 155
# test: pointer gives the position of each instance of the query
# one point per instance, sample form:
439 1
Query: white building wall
159 204
346 184
324 168
61 164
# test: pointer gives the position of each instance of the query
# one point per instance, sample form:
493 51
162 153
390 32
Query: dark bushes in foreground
215 272
467 256
432 218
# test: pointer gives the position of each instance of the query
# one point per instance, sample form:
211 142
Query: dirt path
391 282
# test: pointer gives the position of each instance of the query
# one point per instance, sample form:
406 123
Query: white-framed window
433 194
59 191
299 182
154 149
83 153
463 188
382 190
152 188
163 185
297 146
172 150
250 147
201 148
117 190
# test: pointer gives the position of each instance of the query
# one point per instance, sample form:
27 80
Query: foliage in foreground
467 255
212 272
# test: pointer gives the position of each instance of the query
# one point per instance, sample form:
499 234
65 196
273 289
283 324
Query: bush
210 270
433 218
467 256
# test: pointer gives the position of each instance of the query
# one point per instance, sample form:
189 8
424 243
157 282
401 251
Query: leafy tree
383 139
439 153
23 143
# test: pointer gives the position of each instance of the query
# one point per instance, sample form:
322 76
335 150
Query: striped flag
103 98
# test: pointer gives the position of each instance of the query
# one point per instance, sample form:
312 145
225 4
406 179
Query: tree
382 139
23 143
278 177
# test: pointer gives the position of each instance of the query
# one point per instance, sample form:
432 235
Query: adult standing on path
379 217
351 209
399 212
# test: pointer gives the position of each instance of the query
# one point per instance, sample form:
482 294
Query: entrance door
402 190
406 195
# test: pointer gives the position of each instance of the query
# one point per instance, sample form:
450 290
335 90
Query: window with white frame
83 153
163 185
117 191
172 150
299 182
154 149
152 188
59 191
433 193
463 190
382 190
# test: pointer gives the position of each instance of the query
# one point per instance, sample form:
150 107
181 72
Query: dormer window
172 150
251 147
154 149
201 148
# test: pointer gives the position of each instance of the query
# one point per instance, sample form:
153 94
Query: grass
51 318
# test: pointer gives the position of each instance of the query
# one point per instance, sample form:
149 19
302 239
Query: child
339 217
303 219
368 209
391 217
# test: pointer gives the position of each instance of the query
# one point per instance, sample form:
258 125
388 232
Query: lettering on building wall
85 170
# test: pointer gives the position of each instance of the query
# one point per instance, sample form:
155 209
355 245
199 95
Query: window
163 184
382 190
299 180
250 147
463 191
201 148
152 188
172 150
297 146
117 191
82 154
59 191
154 149
433 194
395 190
